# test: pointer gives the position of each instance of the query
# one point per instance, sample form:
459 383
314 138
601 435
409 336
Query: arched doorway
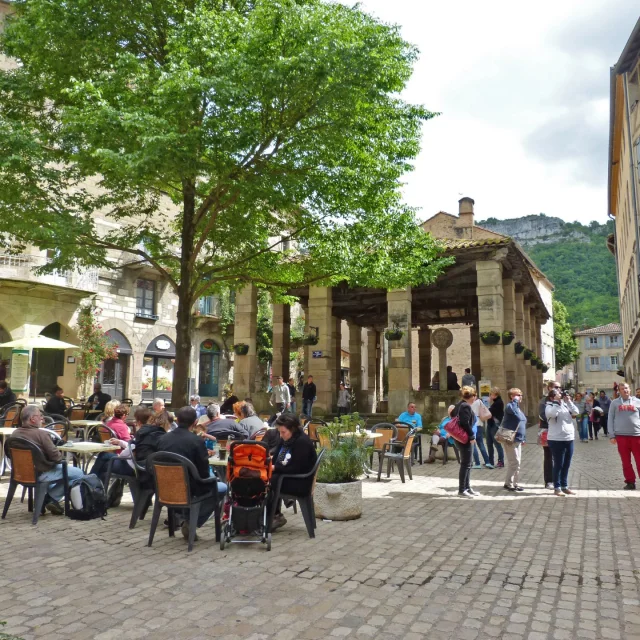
113 373
47 365
157 368
209 376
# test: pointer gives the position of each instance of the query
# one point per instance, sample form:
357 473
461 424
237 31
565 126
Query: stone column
424 358
537 339
474 340
399 313
530 342
355 362
442 339
281 341
322 369
245 329
306 349
372 356
509 289
521 365
337 345
491 318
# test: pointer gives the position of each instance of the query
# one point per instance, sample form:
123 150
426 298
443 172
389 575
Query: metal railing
22 267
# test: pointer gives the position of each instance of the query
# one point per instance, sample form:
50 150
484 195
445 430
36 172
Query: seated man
98 400
55 404
185 443
31 420
223 428
7 396
411 417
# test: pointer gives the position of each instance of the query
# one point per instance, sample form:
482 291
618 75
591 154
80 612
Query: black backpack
94 499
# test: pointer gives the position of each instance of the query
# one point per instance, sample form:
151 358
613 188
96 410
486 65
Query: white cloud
523 91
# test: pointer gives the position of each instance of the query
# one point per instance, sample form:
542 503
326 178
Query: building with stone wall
623 197
600 358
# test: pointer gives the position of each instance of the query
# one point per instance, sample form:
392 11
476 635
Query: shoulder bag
505 436
454 429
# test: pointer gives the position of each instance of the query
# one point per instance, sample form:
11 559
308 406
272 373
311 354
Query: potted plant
241 349
519 347
508 337
539 365
310 338
527 353
545 368
490 337
394 333
338 490
534 360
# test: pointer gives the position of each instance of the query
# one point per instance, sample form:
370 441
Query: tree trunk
184 325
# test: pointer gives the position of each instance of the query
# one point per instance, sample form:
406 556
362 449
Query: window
593 343
614 341
614 361
594 362
146 299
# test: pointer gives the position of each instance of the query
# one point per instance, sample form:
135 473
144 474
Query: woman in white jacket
560 412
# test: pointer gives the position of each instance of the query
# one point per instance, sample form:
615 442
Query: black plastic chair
11 415
172 477
141 495
24 456
404 428
306 502
398 453
390 433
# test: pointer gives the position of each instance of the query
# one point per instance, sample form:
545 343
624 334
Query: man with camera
624 431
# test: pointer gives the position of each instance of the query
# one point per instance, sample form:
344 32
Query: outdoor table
83 425
86 450
4 432
216 462
369 435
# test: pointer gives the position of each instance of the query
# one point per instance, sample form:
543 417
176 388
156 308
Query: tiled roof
612 327
461 243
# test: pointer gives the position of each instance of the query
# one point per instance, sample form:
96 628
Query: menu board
19 370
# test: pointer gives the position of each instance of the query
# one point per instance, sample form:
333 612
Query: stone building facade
600 358
623 197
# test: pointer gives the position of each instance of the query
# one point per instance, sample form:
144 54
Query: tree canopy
206 132
566 346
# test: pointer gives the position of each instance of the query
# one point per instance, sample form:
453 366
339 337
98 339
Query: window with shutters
592 343
613 361
614 341
146 299
594 363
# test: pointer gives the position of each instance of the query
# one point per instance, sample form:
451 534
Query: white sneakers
469 493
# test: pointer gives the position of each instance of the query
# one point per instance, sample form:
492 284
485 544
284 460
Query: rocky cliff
540 229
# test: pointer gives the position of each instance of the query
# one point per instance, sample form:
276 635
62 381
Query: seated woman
441 438
109 411
248 418
123 435
295 454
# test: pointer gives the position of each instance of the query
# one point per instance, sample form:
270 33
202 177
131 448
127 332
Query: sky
523 92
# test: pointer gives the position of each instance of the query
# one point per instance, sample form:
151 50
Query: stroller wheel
269 542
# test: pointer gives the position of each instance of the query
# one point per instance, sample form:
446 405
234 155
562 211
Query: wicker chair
172 478
61 429
306 502
311 428
100 433
77 412
24 456
389 434
403 429
11 415
398 453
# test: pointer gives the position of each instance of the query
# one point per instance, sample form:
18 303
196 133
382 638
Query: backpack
93 499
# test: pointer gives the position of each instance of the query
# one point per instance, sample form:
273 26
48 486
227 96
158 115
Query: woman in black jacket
293 453
467 419
497 414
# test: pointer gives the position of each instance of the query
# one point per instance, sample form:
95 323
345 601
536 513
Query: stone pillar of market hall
245 332
281 341
400 383
322 367
424 358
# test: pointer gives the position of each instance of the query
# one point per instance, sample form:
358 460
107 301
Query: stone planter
338 501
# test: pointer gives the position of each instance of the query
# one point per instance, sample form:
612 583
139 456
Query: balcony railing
22 267
208 306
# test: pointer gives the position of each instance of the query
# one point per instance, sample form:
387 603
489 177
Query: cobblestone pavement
419 563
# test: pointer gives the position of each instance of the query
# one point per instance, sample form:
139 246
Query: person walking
514 420
467 420
580 402
308 396
280 396
482 413
559 412
292 395
589 406
605 403
468 379
624 431
343 400
543 434
496 409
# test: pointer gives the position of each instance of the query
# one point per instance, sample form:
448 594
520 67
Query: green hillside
581 268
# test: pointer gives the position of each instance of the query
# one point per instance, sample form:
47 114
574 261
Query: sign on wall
19 370
317 354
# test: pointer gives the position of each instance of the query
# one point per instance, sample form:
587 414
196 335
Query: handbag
543 435
484 413
505 436
454 429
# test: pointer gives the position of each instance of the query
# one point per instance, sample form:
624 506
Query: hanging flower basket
508 337
241 349
394 334
545 368
527 354
534 360
310 338
490 337
519 347
540 366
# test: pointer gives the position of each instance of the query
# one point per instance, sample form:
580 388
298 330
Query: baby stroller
248 478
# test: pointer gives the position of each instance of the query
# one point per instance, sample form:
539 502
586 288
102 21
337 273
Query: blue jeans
561 452
583 427
292 407
307 406
492 429
101 463
56 490
480 445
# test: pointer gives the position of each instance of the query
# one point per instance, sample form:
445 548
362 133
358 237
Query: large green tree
566 345
204 131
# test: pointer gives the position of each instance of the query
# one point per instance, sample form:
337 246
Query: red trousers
628 445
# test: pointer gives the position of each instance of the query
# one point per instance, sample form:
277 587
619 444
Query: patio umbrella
38 342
